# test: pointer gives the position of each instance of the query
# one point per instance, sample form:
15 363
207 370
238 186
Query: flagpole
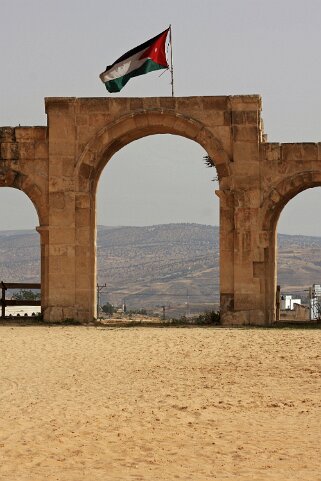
172 69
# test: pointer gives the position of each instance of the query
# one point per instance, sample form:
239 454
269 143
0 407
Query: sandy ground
199 404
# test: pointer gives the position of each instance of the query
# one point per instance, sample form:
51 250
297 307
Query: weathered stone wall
58 167
24 166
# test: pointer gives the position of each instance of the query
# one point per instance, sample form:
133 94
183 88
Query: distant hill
162 264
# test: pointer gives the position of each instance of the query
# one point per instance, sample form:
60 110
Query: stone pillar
61 240
242 257
249 285
85 256
44 258
226 251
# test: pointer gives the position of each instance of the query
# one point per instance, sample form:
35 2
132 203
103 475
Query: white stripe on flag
124 67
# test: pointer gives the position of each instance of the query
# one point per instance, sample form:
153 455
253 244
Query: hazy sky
59 47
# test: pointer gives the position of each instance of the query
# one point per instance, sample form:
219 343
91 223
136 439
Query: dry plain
85 403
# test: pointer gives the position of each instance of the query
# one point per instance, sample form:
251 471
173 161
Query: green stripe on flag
117 84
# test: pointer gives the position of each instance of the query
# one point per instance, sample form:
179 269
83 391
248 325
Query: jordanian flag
140 60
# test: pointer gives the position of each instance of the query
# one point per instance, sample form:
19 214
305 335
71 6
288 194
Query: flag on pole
145 58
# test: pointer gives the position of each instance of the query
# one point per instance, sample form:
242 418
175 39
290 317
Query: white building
287 302
316 302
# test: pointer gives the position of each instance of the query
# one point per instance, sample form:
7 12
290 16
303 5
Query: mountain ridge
148 265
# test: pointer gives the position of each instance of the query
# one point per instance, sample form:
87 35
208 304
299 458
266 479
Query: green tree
26 295
108 308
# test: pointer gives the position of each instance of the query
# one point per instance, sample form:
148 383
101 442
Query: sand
85 403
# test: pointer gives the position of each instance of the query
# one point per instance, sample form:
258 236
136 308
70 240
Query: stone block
83 217
68 166
216 118
82 119
96 121
62 235
52 314
245 102
31 134
62 270
60 105
57 200
253 199
214 103
224 136
258 269
82 298
257 317
246 133
94 105
270 151
7 134
243 152
9 151
82 282
310 151
291 152
62 250
59 184
136 103
238 117
83 201
123 129
41 150
61 148
226 274
69 313
246 301
235 319
62 217
86 171
227 301
26 150
245 218
151 103
250 117
167 103
189 104
83 235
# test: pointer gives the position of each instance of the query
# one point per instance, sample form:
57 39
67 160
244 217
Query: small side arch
21 182
283 192
272 207
140 124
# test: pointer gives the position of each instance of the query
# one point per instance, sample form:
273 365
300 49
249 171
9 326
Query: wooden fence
13 302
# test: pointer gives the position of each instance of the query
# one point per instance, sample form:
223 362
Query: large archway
109 140
161 247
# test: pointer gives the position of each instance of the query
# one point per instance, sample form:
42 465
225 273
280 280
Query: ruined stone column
61 241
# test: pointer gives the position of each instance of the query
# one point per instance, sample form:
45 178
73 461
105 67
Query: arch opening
299 253
157 228
20 255
280 206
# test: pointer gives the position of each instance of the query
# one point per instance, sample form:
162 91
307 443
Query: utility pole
164 313
99 290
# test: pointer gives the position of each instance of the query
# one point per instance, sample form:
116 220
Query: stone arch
283 192
111 139
275 201
140 124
